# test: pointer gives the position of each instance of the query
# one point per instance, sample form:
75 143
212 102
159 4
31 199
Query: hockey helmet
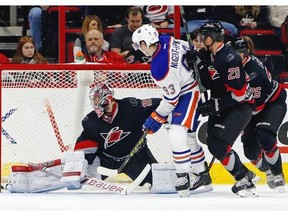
214 29
240 45
146 33
100 97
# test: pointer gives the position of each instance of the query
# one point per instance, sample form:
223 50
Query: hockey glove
154 122
192 58
210 107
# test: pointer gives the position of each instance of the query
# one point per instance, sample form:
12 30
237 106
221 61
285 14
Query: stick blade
107 172
139 179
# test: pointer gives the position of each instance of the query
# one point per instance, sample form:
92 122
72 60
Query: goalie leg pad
164 178
75 169
23 179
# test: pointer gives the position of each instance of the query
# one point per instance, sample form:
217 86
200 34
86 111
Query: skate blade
255 179
248 193
202 189
280 189
184 193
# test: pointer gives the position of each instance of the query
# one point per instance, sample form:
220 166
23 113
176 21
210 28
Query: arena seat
263 39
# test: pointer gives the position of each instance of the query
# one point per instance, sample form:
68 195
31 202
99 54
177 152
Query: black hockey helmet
240 45
214 29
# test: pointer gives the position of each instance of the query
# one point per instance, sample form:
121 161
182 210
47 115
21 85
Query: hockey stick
124 190
114 172
197 75
188 36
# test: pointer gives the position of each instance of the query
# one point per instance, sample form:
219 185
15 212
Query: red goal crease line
55 127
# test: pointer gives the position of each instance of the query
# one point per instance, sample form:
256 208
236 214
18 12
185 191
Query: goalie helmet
214 29
146 33
100 97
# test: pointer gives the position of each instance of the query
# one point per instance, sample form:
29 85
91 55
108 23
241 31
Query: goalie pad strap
75 169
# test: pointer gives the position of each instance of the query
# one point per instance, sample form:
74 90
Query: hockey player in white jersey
172 74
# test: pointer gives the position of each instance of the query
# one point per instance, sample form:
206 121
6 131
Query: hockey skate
276 182
279 183
182 184
270 179
201 182
245 187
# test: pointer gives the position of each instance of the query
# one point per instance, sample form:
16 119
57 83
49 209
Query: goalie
109 133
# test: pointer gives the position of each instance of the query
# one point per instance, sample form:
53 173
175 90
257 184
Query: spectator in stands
4 59
121 38
35 22
26 52
90 22
111 17
95 53
251 17
198 15
160 16
198 44
277 15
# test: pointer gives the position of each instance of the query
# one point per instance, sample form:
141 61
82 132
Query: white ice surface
220 201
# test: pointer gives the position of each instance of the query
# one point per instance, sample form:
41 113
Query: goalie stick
114 172
92 182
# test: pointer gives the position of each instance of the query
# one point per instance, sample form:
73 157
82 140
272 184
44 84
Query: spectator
26 52
121 39
277 15
251 17
4 59
90 22
94 51
198 15
197 42
111 17
160 16
35 20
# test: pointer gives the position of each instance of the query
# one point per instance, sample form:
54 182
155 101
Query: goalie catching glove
154 122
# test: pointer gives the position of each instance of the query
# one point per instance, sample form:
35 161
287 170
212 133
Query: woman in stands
26 52
90 22
251 17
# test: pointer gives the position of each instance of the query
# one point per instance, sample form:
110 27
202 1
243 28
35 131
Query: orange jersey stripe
192 110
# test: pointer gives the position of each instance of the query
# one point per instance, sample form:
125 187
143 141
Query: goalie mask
101 96
146 33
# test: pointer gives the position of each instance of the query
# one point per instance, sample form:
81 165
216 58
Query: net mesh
42 111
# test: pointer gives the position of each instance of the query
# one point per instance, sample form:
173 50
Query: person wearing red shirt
4 59
95 53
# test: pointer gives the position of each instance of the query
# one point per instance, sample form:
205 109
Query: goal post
43 106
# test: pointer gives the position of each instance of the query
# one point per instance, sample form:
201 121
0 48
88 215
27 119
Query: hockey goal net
42 108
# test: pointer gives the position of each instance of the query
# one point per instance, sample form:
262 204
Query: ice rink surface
220 201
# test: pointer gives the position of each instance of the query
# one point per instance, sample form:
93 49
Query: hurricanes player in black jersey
260 136
112 129
230 106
